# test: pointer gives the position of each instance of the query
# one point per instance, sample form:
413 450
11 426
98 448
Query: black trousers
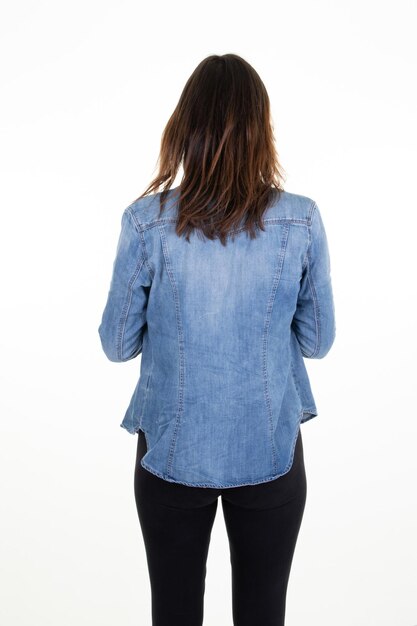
262 523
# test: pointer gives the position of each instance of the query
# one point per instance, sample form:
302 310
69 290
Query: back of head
221 133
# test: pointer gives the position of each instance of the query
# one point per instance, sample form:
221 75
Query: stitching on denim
181 352
309 221
312 413
316 306
146 437
313 207
304 265
125 424
125 310
316 309
295 380
145 394
269 220
140 231
275 283
309 409
294 443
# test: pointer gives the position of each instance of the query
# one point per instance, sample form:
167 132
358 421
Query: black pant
262 523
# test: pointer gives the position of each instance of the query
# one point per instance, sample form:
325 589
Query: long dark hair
222 133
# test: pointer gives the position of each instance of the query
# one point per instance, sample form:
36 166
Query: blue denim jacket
222 331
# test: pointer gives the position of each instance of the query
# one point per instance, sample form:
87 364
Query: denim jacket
222 332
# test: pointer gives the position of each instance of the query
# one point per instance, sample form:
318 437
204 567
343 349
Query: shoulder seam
313 207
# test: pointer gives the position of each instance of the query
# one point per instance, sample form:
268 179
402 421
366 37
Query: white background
86 90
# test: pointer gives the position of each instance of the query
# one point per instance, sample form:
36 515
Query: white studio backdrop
86 90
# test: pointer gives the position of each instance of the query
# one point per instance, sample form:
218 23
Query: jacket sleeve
314 318
124 316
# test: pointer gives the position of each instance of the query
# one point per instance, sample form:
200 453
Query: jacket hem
130 430
212 485
308 414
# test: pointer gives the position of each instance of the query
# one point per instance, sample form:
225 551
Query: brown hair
221 131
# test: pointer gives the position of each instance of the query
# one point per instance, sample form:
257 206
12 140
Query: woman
223 285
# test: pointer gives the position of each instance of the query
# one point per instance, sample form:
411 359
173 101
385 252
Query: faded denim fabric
223 332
